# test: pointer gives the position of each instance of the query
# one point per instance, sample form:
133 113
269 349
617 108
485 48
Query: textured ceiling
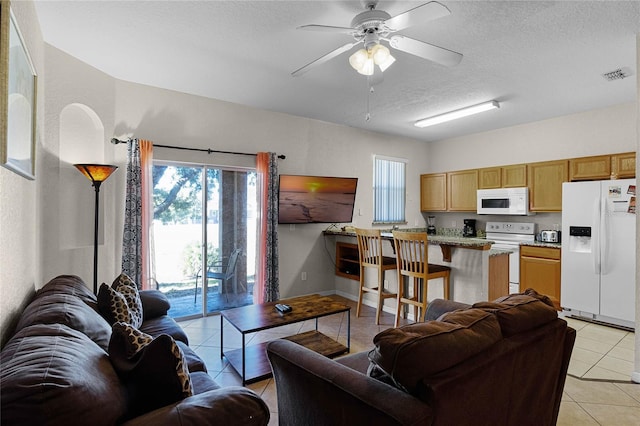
538 59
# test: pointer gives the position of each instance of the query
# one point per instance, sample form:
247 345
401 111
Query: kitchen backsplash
450 223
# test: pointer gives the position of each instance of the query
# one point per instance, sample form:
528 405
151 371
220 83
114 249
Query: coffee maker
469 229
431 228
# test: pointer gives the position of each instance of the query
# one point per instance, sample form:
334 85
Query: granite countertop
542 244
499 252
451 240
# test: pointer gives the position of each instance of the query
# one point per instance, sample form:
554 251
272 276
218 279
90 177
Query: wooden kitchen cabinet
540 269
590 168
545 185
433 192
514 176
490 178
623 166
462 189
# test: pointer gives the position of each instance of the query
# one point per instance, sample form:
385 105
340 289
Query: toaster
550 236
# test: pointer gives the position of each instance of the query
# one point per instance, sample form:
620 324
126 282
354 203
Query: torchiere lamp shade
96 172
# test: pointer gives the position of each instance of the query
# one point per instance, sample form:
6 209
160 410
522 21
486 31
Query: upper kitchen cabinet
545 185
490 178
624 165
462 190
590 168
433 192
514 176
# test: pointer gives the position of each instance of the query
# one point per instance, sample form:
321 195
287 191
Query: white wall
68 197
19 205
601 131
311 147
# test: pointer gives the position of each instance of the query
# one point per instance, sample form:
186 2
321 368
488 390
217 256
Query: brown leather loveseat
59 368
493 363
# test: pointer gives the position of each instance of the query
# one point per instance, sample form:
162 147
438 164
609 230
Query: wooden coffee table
251 361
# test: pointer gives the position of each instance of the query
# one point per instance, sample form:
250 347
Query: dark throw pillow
153 369
121 302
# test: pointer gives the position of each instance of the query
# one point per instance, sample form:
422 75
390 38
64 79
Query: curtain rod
116 141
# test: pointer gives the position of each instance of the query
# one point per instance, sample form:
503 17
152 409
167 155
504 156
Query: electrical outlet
303 276
292 227
454 223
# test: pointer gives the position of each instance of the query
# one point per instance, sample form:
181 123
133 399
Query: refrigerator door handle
604 236
596 236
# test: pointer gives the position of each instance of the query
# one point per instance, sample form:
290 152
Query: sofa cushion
54 375
517 313
52 308
70 285
164 325
154 304
121 302
409 355
154 369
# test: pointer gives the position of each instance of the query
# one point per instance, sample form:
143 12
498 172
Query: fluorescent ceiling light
448 116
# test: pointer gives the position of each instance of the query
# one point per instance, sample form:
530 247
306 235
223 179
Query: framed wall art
18 97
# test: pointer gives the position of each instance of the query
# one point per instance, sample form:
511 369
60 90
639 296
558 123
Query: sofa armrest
315 390
224 406
438 307
154 303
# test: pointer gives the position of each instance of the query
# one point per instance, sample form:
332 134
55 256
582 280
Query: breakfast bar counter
478 273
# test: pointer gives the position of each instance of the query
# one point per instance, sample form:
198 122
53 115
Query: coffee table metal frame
245 319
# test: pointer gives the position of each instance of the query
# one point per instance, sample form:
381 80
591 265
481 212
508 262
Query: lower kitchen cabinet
540 270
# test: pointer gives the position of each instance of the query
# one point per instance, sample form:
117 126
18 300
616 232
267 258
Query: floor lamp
96 173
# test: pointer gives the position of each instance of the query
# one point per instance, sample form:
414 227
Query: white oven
511 201
509 236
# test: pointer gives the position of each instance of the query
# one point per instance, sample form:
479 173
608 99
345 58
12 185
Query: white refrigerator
599 250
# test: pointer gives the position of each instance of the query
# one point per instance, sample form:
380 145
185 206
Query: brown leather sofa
56 369
493 363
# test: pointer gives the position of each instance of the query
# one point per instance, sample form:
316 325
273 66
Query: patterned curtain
267 287
136 241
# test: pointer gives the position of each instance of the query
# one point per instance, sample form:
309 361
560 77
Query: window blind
389 184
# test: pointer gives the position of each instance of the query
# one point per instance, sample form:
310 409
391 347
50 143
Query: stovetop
511 231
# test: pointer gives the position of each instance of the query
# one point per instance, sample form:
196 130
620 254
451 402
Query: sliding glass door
204 237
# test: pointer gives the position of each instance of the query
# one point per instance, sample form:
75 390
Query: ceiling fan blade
325 58
417 15
424 50
326 28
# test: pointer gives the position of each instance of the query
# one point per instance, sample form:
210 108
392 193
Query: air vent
618 74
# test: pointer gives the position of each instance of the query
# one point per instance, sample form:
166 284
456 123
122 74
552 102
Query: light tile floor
597 392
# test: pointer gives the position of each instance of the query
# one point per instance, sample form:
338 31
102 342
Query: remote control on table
281 307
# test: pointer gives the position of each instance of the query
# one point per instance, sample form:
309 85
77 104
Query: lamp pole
96 173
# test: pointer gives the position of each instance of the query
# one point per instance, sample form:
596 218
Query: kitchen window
389 183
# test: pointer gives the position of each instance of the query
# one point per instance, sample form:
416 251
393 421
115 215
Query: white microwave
512 201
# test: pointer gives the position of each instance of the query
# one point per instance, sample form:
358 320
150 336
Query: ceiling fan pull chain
369 92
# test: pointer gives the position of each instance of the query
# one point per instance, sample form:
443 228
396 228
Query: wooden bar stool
412 254
370 256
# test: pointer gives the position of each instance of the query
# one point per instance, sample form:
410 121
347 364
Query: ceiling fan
373 26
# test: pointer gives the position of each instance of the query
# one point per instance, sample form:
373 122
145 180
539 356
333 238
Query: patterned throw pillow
155 370
121 302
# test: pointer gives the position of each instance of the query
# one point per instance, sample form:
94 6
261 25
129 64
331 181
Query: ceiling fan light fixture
358 59
382 56
387 63
453 115
367 67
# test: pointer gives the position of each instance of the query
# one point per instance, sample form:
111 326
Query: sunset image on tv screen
316 199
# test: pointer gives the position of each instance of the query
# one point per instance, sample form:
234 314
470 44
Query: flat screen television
316 199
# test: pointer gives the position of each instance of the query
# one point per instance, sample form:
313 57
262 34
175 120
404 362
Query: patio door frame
205 167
